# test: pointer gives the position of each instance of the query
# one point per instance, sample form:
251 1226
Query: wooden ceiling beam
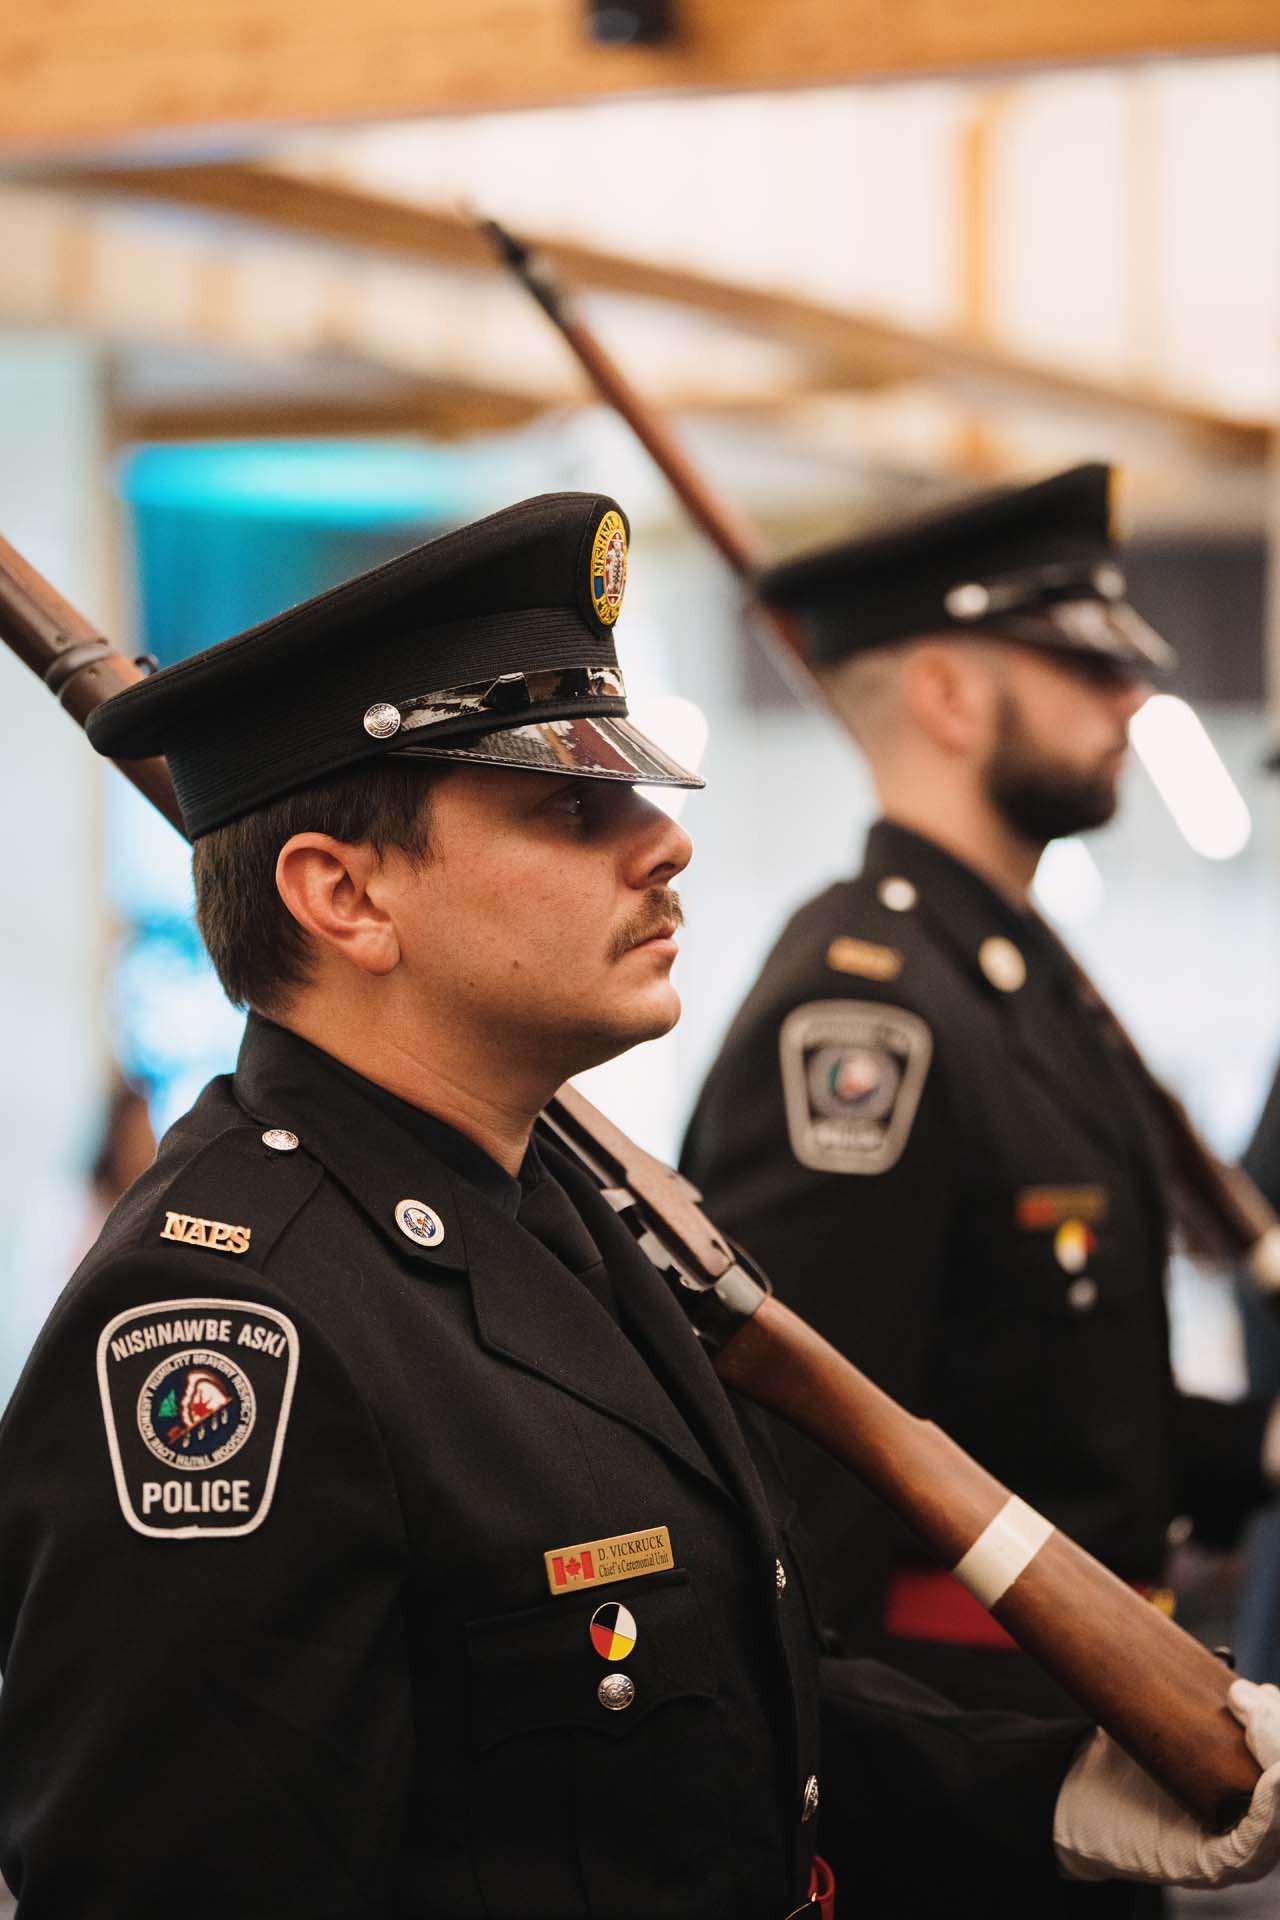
447 412
845 348
103 72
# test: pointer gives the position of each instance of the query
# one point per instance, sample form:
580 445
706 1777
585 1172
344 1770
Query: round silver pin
616 1691
419 1222
279 1139
897 894
1082 1295
382 720
780 1576
811 1796
968 602
1002 963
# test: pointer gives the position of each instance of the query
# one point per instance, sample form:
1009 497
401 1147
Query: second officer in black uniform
918 1121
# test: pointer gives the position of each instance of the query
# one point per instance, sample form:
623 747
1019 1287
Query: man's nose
1132 696
660 847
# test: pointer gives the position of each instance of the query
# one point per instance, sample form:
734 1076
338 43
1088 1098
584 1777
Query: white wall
51 495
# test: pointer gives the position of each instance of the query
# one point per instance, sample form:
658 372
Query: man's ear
951 694
330 888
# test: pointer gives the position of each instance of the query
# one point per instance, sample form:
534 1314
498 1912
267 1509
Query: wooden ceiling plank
103 71
847 347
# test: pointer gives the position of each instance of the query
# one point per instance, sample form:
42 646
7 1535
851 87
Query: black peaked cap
1035 563
492 643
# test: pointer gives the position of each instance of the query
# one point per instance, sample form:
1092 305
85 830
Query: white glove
1113 1822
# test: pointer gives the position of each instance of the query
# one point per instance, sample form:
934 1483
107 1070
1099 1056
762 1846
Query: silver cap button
382 720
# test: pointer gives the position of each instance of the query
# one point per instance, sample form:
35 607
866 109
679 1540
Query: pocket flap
541 1667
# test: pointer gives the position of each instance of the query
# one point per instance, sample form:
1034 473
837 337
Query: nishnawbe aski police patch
196 1397
852 1075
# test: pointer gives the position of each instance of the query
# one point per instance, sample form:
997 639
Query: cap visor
600 748
1113 631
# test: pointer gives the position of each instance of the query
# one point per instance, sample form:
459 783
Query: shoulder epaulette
236 1196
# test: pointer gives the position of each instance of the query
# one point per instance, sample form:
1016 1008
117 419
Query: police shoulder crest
196 1395
852 1075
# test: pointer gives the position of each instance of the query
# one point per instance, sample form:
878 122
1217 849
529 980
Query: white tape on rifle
1002 1551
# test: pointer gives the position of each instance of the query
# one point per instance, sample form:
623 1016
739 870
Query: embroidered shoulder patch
852 1076
196 1397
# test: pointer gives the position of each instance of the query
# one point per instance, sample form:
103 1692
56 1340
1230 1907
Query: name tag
1047 1207
594 1563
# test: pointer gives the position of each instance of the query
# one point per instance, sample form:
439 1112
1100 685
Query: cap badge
1002 963
609 568
382 720
419 1222
613 1631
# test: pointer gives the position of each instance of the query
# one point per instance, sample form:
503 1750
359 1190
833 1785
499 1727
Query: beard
1041 799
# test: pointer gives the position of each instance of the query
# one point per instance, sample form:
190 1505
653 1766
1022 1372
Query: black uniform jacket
294 1493
981 1225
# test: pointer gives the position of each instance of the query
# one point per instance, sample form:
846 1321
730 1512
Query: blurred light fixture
1068 886
680 728
1187 772
629 23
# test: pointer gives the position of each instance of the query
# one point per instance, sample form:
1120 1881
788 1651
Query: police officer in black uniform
919 1121
375 1538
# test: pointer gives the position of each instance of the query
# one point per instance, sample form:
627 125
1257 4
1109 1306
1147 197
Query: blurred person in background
61 1221
919 1122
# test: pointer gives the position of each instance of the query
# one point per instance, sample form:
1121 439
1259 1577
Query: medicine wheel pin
613 1631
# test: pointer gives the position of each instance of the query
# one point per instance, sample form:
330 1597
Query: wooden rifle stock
1155 1689
78 666
1243 1218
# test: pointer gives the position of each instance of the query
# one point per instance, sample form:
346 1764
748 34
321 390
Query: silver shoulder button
897 893
280 1140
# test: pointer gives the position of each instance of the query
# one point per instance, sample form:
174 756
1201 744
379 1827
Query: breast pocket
605 1662
594 1719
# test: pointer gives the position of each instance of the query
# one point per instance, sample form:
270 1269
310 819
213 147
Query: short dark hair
258 949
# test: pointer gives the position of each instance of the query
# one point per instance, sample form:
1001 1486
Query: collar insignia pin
1002 963
419 1222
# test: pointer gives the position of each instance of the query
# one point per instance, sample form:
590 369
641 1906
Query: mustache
660 911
